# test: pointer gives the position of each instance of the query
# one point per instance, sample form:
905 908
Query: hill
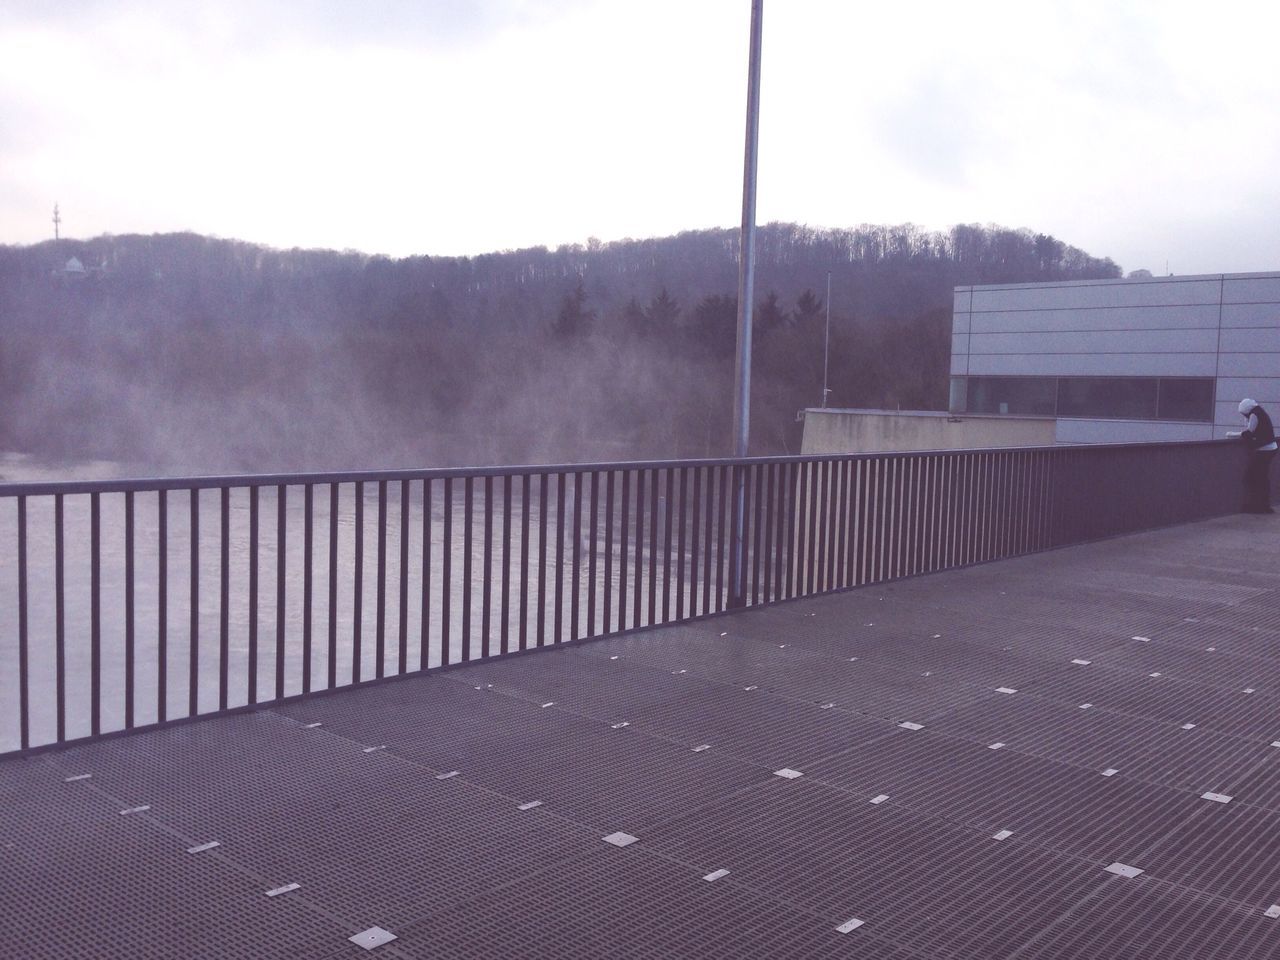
190 353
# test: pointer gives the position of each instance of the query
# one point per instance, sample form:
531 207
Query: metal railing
121 607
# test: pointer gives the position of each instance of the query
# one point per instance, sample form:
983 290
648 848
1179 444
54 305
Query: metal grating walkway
944 767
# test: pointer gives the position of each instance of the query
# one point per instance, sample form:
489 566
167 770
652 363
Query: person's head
1246 406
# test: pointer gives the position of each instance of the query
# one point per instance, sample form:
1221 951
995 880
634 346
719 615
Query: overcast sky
1142 131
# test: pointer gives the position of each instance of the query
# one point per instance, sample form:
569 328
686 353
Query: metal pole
826 344
746 285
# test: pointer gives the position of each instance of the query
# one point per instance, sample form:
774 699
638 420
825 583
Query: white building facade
1114 361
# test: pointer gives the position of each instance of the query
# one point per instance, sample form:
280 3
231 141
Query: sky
1141 131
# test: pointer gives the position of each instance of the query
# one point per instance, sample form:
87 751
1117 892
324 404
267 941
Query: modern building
1165 358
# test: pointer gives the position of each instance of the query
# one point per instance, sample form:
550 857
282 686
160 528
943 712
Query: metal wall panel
1256 289
1098 342
1099 293
1086 365
1176 316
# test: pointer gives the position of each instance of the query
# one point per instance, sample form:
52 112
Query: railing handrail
219 481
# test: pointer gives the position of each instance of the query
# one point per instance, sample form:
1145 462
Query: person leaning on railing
1260 435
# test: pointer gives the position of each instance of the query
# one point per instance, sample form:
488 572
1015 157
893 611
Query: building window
1126 398
1027 396
1099 398
1186 399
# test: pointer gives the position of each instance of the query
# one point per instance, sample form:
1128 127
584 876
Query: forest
181 353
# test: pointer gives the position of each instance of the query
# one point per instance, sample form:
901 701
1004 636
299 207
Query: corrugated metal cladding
1223 326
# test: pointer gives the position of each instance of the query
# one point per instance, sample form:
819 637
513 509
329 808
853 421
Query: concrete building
1165 358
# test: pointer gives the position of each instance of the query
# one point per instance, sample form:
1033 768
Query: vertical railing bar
193 647
694 532
755 490
789 547
357 596
624 531
607 602
380 614
424 628
486 585
562 480
871 514
162 606
282 501
224 600
129 611
782 509
811 546
308 544
95 614
722 535
24 695
708 540
769 487
666 546
833 523
251 680
637 599
575 590
836 556
653 548
824 526
525 482
332 665
468 537
681 544
593 523
402 664
504 639
543 480
850 520
193 661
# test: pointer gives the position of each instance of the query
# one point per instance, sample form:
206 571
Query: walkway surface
1074 754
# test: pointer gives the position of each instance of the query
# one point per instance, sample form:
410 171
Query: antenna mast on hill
57 222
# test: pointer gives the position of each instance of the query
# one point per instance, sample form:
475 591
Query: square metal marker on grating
1005 690
850 925
142 809
620 839
1002 835
287 888
78 776
787 773
447 776
881 798
1110 772
1273 911
530 805
908 725
711 877
995 746
373 937
1216 797
204 846
1124 870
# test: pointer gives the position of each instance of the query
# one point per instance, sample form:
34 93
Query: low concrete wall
879 431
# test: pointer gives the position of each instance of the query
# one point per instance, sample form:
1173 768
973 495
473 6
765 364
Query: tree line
183 353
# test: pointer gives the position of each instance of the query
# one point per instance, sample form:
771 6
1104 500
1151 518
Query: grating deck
464 812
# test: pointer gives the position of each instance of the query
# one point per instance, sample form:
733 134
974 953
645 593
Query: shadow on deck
954 761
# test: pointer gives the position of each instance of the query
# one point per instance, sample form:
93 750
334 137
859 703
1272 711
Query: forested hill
181 352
